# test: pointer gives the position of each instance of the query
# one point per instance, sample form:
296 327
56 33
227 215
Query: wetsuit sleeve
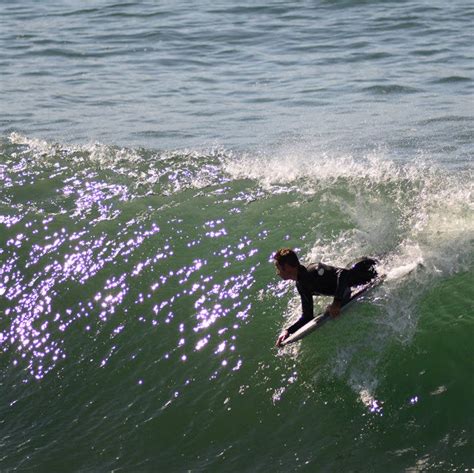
342 284
307 306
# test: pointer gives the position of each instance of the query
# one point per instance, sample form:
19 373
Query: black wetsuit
321 279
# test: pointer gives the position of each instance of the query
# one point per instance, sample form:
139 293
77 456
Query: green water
140 308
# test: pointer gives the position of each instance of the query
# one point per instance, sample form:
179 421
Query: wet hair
286 256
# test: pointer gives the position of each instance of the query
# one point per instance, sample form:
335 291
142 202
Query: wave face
139 308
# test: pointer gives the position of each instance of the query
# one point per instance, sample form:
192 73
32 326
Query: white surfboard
319 320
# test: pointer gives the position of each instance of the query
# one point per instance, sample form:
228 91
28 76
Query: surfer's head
286 263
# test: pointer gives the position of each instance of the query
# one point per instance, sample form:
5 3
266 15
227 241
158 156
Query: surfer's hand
334 309
283 336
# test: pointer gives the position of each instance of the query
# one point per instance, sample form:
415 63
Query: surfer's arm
342 283
298 324
335 308
283 335
292 329
307 307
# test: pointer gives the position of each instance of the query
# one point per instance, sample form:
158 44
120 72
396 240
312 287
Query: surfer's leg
362 272
347 295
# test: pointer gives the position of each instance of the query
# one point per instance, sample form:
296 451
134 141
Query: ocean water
153 155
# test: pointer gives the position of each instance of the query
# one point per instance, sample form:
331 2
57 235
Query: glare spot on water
277 394
202 343
374 406
414 400
95 273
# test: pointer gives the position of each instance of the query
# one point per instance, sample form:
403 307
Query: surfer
320 279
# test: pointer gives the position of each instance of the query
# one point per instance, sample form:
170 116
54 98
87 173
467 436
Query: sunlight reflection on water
88 266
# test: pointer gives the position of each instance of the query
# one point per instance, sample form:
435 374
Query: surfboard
319 320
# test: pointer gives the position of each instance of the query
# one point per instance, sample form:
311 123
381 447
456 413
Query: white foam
417 217
40 147
314 169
